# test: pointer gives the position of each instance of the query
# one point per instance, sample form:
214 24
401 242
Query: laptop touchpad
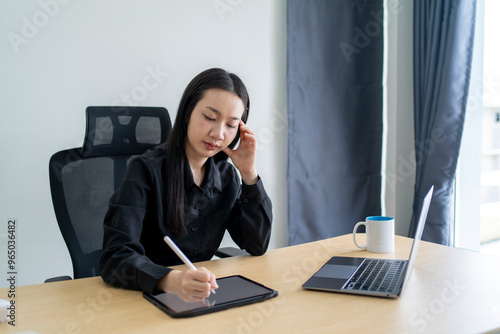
336 271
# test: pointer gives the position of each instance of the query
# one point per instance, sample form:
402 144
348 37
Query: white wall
56 60
400 152
60 56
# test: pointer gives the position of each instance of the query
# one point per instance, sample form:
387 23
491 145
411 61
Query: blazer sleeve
251 219
123 262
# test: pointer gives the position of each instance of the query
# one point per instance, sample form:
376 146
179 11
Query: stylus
180 254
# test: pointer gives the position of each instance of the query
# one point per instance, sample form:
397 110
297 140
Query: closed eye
209 118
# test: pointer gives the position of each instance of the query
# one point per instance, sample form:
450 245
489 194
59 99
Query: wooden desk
450 291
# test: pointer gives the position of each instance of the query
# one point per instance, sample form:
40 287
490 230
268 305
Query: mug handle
354 234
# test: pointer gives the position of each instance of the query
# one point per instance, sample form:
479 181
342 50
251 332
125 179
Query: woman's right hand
190 285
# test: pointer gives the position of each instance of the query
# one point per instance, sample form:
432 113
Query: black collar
212 177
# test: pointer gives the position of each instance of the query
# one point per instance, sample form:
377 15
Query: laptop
366 276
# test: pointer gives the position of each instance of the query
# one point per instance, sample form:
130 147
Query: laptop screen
418 234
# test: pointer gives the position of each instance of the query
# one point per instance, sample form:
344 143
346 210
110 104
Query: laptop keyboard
376 275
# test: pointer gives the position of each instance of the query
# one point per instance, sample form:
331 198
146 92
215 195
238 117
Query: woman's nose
218 132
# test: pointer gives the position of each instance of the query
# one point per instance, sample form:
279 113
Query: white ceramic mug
379 234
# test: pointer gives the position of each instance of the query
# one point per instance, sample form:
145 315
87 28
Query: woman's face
213 124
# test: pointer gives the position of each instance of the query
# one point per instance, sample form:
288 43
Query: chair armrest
229 252
58 279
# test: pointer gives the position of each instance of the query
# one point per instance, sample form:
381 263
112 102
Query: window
477 224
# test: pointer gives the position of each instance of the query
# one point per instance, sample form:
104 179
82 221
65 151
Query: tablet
233 291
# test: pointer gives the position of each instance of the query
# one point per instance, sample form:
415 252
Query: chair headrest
123 130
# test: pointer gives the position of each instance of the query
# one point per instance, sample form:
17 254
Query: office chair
229 252
83 179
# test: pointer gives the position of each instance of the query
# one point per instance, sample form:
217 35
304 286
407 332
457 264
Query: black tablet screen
232 291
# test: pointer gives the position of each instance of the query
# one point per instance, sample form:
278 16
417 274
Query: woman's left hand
243 156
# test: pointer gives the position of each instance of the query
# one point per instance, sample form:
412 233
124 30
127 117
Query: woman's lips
210 146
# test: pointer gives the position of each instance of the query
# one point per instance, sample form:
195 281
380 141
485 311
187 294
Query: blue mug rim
379 218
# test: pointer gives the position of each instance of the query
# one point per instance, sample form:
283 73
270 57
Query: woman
187 190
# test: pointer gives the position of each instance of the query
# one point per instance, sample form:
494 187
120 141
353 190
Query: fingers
247 136
212 280
248 140
197 285
245 130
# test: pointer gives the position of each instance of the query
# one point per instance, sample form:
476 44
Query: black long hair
175 145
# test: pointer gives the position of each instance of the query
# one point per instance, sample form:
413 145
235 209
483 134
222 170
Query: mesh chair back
82 180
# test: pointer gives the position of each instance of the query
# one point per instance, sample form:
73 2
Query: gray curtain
335 63
443 43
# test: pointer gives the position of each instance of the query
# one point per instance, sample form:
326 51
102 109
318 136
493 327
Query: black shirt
135 255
